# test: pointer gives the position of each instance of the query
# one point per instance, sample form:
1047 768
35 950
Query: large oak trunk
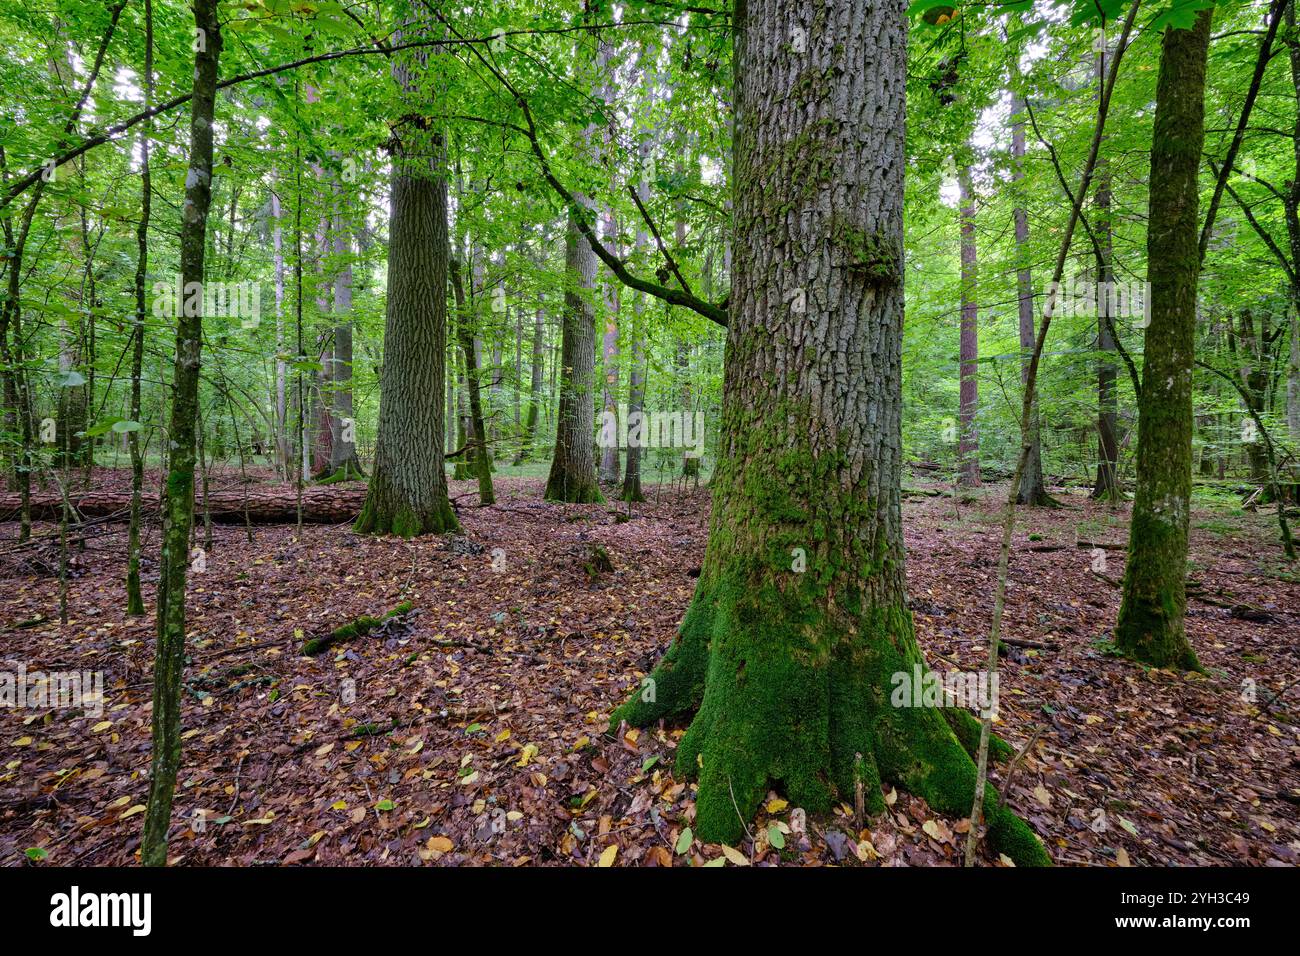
799 619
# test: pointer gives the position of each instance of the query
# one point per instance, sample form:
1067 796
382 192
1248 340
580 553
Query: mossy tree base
385 513
783 706
573 490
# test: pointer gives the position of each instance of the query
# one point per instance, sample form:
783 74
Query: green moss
794 693
358 627
966 727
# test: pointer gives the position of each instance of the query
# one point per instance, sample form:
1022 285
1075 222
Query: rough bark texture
573 466
791 669
178 504
407 494
968 444
1151 615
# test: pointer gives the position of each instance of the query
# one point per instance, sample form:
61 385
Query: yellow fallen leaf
526 754
776 805
1042 796
734 855
607 855
22 742
440 843
101 726
1121 857
138 808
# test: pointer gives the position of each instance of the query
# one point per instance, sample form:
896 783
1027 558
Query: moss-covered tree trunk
407 493
573 465
799 619
968 443
178 500
1151 615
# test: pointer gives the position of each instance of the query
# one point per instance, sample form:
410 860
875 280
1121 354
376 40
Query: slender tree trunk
1107 484
968 444
609 455
573 466
344 464
481 463
407 493
134 599
282 444
1033 490
1151 624
799 623
178 501
535 385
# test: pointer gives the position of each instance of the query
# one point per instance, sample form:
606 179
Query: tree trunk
609 456
1106 485
1033 490
480 462
535 385
178 506
968 443
343 464
791 668
407 494
134 599
1151 624
573 467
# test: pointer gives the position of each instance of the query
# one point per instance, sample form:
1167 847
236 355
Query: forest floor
470 730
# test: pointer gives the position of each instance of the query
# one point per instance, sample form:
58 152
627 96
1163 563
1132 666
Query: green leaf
775 836
36 854
684 841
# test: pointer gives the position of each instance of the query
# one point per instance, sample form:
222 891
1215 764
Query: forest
657 433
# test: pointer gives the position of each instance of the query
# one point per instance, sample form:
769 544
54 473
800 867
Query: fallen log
324 505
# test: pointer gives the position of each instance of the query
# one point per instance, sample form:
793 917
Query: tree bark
407 494
1107 484
790 667
178 506
1033 490
573 467
609 452
480 462
968 443
134 599
1151 625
